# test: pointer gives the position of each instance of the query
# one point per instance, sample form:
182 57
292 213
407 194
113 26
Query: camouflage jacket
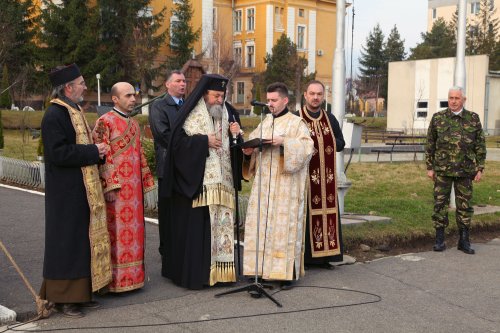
455 144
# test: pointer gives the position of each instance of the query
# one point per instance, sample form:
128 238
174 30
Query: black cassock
187 257
67 213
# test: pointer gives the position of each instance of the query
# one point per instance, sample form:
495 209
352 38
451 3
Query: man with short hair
455 154
323 240
77 245
199 187
125 178
163 113
284 173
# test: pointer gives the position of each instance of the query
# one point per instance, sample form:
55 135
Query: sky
409 16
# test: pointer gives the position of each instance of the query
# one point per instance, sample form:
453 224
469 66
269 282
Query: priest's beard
215 111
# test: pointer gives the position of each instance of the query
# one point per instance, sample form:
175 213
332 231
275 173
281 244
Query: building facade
446 9
236 35
419 88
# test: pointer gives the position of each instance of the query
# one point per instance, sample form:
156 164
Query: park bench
402 143
376 134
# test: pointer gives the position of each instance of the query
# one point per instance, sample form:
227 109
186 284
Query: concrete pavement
430 291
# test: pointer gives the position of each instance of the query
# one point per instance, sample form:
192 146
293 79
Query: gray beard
215 111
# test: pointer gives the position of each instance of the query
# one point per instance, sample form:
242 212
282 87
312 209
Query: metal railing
22 172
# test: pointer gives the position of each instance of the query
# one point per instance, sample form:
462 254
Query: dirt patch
420 245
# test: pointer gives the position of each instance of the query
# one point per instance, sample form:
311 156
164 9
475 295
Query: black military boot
440 245
464 243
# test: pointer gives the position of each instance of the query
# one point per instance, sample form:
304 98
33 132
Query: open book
254 143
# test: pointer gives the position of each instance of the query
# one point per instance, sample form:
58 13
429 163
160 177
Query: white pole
98 77
338 95
460 75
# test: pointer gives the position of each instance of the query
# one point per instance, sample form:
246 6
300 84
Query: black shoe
464 243
439 245
89 305
69 310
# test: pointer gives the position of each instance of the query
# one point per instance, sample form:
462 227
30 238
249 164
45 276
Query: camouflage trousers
463 196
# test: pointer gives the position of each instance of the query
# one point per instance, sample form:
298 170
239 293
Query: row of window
249 55
423 106
238 19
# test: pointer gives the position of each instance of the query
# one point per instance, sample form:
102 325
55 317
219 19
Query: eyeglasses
80 84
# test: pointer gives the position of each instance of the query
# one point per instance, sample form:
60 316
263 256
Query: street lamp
98 77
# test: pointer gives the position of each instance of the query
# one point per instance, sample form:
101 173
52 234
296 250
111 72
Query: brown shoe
70 310
90 305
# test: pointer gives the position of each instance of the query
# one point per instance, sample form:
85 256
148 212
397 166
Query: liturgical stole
322 199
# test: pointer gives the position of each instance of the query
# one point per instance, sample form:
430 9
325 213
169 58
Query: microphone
257 103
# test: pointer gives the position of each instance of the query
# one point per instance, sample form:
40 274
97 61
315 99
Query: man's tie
180 102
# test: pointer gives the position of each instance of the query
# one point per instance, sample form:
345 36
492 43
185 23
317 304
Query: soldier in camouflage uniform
455 154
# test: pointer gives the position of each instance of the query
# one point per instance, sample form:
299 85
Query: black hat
64 74
216 82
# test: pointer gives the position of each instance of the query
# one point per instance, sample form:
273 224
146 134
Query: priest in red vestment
125 177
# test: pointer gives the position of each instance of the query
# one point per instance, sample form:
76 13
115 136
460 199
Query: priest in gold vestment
285 161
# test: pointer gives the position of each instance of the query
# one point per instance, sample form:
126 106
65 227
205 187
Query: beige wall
428 81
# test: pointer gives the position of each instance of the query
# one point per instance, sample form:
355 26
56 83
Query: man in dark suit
163 113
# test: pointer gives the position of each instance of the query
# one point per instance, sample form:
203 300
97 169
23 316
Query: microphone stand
256 289
236 175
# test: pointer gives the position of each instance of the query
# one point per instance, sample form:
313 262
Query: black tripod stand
256 289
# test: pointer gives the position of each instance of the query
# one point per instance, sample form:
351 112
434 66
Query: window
240 92
237 54
250 19
214 19
237 20
250 56
474 31
278 18
434 13
443 104
301 35
421 110
475 7
301 12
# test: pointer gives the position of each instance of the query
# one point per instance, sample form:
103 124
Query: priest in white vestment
285 162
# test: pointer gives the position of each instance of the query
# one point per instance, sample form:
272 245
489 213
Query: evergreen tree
5 101
373 62
182 36
18 26
484 31
128 42
1 131
440 42
285 65
394 49
69 36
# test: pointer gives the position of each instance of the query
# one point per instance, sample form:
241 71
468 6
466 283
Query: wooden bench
375 134
402 144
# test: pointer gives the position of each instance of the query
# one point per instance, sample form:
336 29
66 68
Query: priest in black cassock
77 246
199 236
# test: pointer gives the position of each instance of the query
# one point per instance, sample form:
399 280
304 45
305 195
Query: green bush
149 151
1 131
5 97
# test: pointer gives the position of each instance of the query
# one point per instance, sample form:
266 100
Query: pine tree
373 62
128 42
394 49
484 31
17 47
285 65
69 36
182 36
440 42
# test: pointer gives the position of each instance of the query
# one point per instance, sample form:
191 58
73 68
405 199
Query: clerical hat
64 74
216 82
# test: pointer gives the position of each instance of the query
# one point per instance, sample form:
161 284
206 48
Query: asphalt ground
423 292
